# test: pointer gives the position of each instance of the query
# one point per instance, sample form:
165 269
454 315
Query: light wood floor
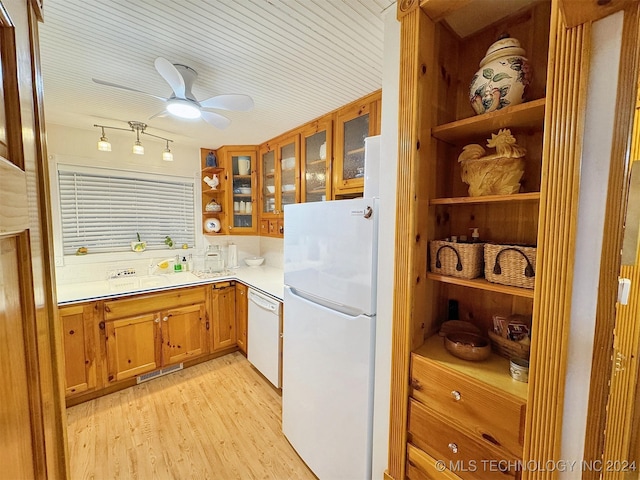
215 420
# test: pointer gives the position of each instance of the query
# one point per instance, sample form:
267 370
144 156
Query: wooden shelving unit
482 284
516 197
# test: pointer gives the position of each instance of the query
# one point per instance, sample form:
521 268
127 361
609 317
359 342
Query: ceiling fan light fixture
183 108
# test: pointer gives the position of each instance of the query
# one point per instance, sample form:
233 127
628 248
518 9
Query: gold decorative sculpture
497 174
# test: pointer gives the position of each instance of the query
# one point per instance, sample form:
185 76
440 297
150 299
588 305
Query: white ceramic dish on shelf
212 225
288 188
271 188
245 190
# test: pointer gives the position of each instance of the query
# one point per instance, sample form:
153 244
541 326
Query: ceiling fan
182 103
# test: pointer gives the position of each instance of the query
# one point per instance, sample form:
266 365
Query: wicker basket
513 265
462 260
508 348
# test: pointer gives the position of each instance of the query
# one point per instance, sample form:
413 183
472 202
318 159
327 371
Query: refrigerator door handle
322 302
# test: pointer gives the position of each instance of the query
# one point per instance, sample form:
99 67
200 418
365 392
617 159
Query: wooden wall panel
564 123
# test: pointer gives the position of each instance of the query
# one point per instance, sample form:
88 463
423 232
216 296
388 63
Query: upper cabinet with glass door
316 147
354 123
241 198
270 182
288 155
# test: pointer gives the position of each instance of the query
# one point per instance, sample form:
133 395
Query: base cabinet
147 332
223 313
80 343
107 344
242 310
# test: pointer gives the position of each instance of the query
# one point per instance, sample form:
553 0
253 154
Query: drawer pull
456 395
157 320
453 447
416 385
165 319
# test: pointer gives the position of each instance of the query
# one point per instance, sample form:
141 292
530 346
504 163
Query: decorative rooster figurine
497 174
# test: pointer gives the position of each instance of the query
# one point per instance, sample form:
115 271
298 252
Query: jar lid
504 46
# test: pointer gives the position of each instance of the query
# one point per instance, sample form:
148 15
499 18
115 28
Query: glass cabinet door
242 167
316 147
269 186
288 188
355 131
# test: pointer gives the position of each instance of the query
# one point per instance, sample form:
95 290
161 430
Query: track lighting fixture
138 148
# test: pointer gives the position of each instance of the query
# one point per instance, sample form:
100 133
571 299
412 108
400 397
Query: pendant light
138 149
103 143
167 156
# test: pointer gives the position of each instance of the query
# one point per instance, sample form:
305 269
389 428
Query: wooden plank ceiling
298 59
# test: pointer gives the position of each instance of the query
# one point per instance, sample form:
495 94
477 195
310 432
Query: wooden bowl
467 346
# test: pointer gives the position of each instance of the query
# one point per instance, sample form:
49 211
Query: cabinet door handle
101 325
456 395
453 447
157 320
165 319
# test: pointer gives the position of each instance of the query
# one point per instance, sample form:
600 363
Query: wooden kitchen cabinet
240 163
147 332
223 315
184 334
354 122
316 152
280 180
80 342
242 312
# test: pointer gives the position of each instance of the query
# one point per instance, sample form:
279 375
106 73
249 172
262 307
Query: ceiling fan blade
238 103
216 120
171 75
163 113
122 87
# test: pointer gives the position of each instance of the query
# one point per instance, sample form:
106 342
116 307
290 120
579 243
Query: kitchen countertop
269 280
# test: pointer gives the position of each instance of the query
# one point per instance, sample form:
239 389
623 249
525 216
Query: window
103 210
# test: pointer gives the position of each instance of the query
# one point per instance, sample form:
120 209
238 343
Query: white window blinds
103 210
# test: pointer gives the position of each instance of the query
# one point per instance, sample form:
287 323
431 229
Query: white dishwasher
263 338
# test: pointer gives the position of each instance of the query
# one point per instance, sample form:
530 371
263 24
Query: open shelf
212 170
211 191
246 195
482 284
516 197
493 371
525 115
212 214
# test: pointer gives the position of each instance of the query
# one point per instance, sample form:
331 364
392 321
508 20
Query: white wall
386 241
603 74
74 146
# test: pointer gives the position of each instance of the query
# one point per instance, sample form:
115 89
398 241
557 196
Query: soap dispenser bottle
475 236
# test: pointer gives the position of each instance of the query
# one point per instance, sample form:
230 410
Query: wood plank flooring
216 420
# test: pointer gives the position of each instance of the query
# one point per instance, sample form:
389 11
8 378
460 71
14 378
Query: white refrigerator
330 266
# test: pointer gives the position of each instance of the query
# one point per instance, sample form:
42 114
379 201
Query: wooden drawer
467 457
155 302
421 466
487 414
